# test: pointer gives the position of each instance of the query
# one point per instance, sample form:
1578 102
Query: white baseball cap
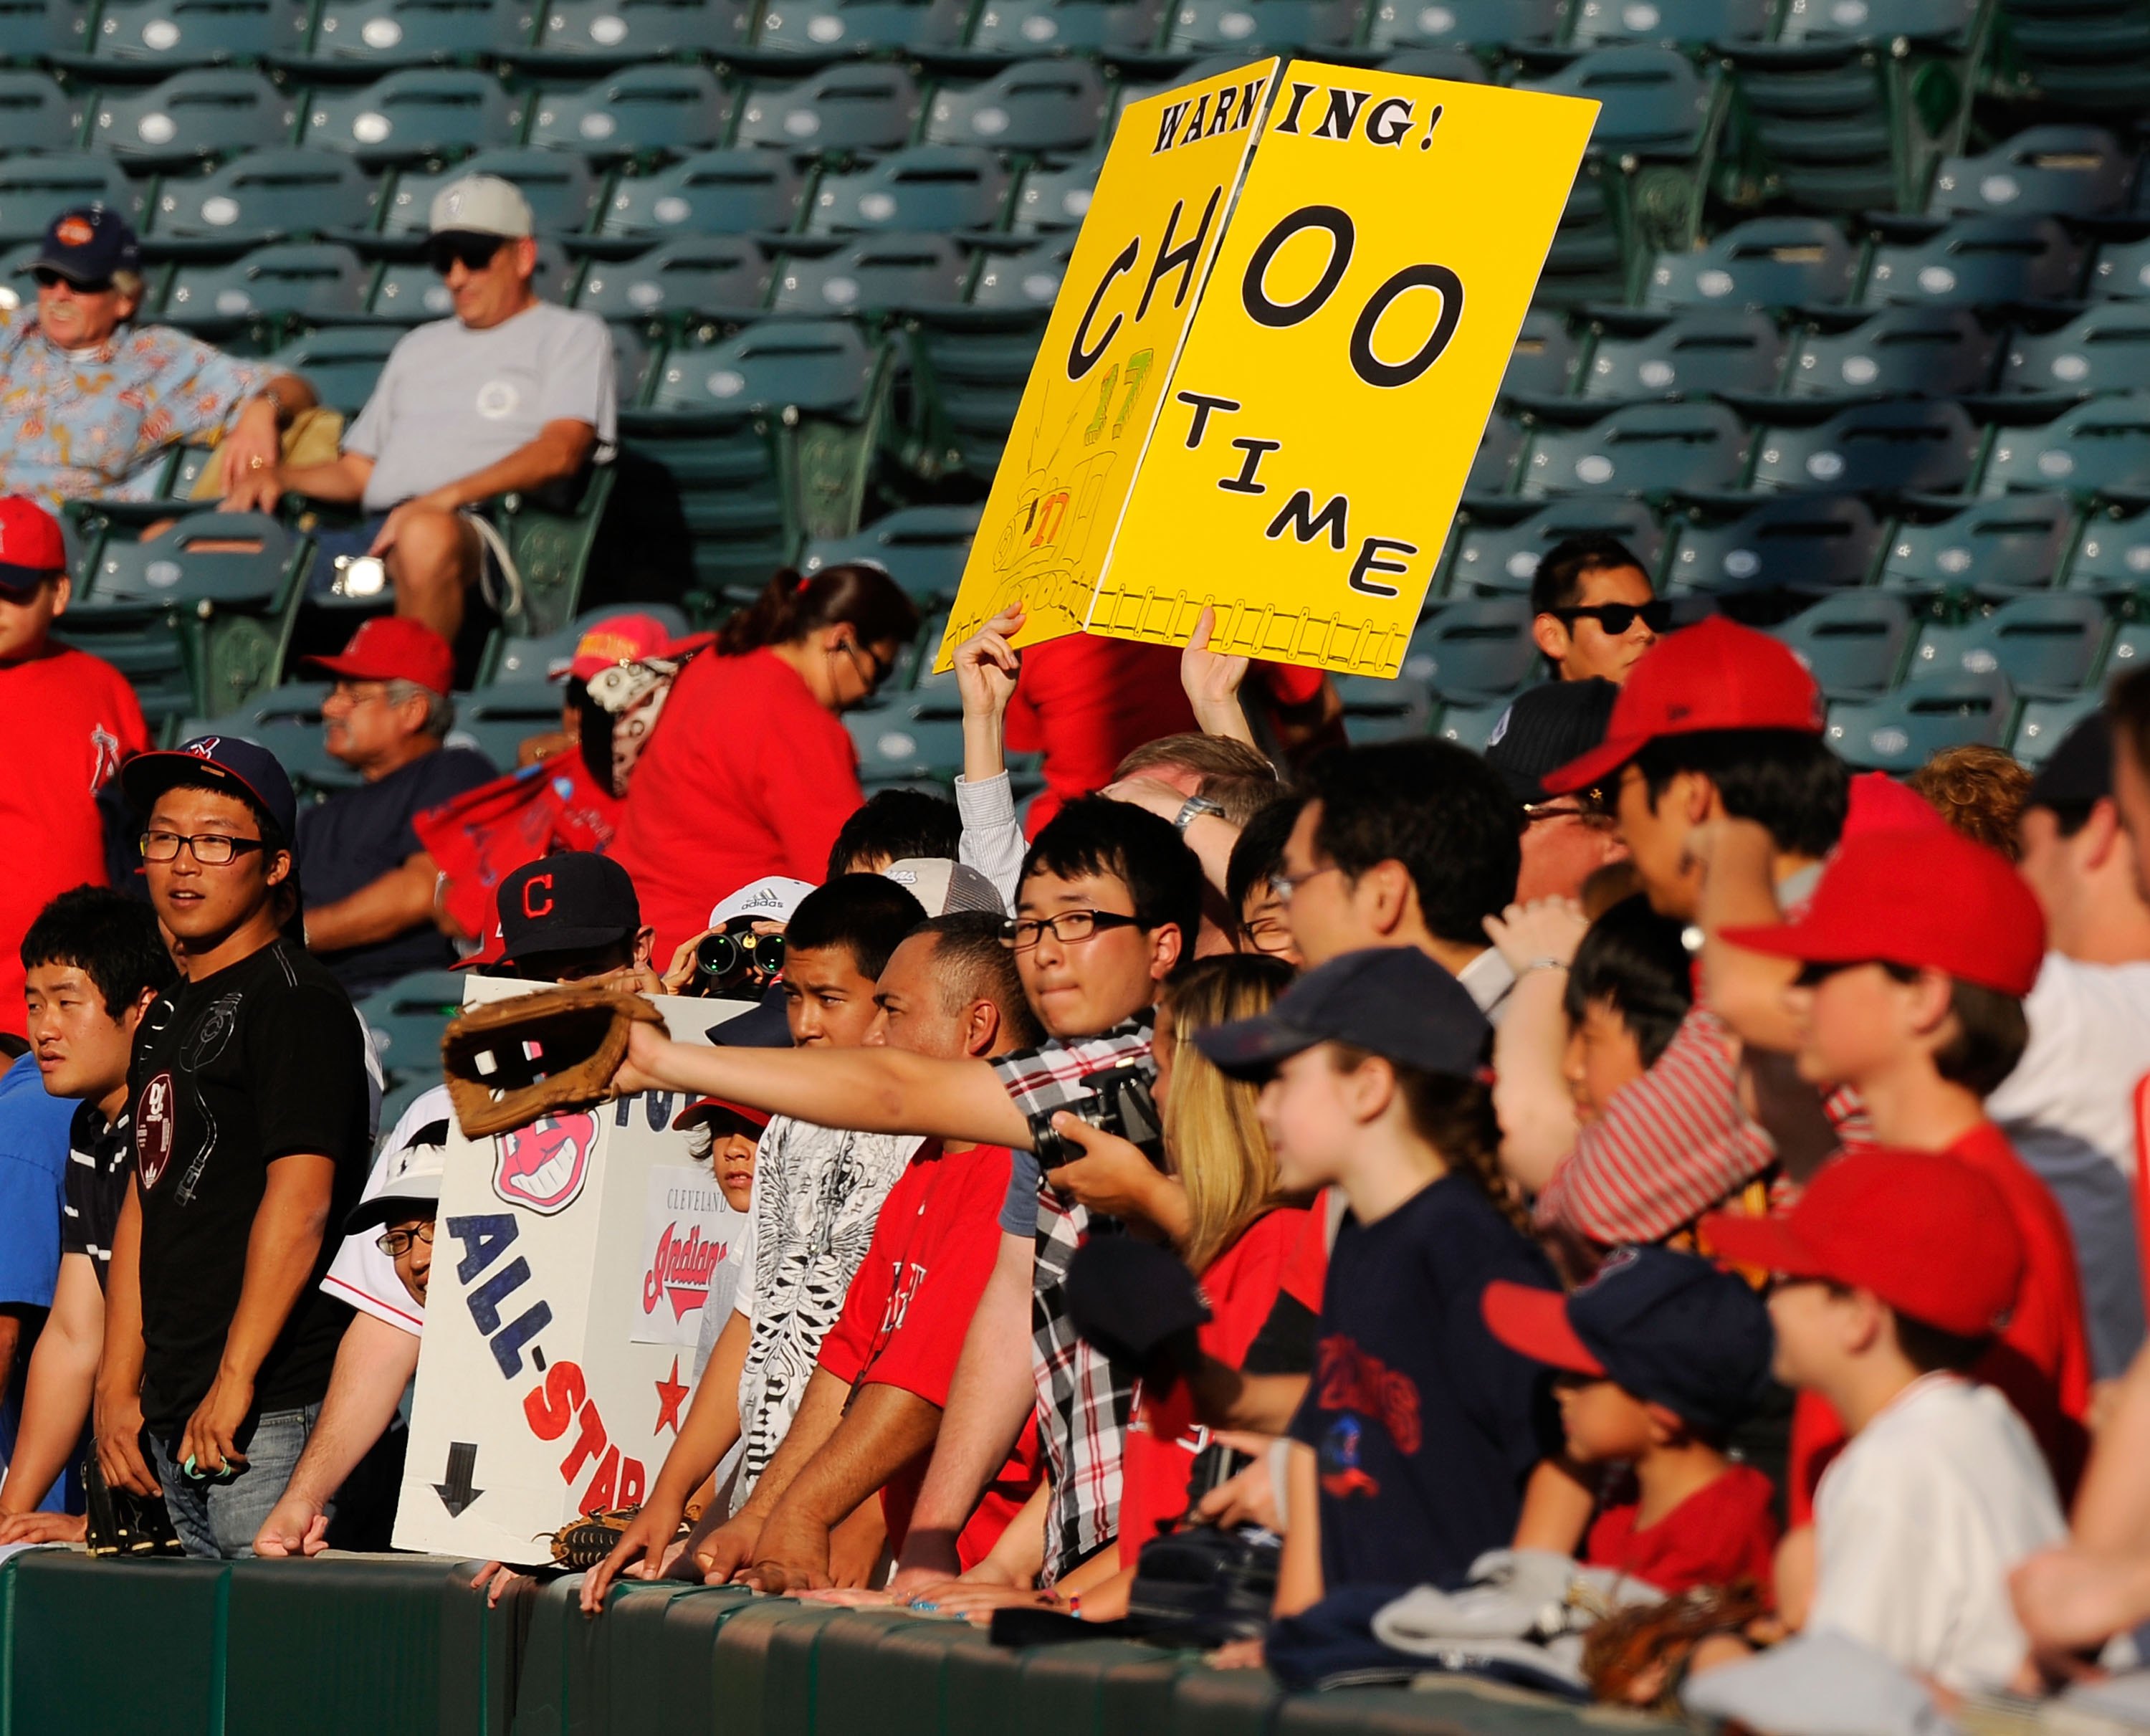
482 204
772 900
942 886
411 1188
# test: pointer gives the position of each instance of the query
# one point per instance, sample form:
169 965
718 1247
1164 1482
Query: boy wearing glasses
251 1111
512 395
1594 611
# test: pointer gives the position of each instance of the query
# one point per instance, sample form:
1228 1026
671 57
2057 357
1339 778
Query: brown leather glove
509 1061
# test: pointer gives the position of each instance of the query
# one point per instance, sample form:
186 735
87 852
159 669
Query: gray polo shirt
452 401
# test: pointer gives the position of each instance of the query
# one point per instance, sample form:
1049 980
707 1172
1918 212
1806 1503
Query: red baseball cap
393 648
1714 675
1927 1232
617 640
1925 897
1877 803
31 550
716 1108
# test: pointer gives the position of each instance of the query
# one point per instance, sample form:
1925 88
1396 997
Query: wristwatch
1192 808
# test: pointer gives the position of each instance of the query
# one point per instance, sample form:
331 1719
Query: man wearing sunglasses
91 404
1595 614
511 396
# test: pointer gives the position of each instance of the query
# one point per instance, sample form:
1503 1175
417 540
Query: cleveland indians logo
542 1167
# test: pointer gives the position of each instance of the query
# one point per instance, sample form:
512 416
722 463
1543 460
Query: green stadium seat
212 113
1766 262
1993 549
881 272
1930 352
405 1019
2041 171
171 34
1028 279
1639 357
639 111
908 739
962 372
1379 709
1945 22
1261 26
2114 556
865 107
419 112
1974 261
2122 272
1647 449
36 186
1463 23
1474 650
2101 448
1855 642
1542 366
497 718
2050 645
1055 197
287 721
36 114
1802 544
1497 553
2044 725
824 366
563 191
409 290
733 492
34 30
1899 446
390 33
821 28
2105 349
734 192
1457 65
1038 106
275 194
711 277
587 33
343 363
1593 250
2130 650
310 283
545 657
922 549
2076 55
1697 22
1493 467
1472 725
1107 28
949 188
1901 730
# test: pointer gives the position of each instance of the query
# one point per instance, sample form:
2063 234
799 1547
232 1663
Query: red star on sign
671 1395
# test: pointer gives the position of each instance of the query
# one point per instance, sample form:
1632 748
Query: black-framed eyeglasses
46 278
876 671
212 849
473 253
397 1242
1019 934
1267 934
1616 618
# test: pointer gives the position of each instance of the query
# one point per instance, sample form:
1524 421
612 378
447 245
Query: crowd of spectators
1642 1162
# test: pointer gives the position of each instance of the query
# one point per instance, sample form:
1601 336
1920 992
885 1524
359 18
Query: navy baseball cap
241 767
1391 1001
574 901
1670 1329
88 244
1544 728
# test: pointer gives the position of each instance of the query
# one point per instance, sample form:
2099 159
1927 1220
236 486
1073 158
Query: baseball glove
583 1543
509 1061
1638 1657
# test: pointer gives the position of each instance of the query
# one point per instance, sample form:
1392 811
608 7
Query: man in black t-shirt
249 1092
369 884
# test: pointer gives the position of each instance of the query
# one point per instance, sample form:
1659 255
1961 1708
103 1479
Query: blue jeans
217 1520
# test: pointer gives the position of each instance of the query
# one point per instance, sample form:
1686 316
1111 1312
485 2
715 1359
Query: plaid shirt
1084 1403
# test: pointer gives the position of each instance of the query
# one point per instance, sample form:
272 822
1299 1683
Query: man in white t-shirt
511 396
2068 1108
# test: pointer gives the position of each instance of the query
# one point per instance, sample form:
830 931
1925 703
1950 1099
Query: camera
733 955
1119 1103
359 575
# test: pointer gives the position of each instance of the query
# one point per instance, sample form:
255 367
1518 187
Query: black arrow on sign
455 1494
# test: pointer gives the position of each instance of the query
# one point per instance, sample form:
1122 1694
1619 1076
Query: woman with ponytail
751 773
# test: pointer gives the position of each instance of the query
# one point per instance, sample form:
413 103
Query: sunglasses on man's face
1616 618
48 278
473 253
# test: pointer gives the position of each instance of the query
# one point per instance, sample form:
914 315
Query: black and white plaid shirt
1084 1403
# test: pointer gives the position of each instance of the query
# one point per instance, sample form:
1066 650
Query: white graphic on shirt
498 399
105 745
154 1131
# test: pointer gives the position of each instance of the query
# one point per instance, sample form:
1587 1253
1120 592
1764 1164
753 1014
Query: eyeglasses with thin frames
212 849
1285 885
396 1243
1019 934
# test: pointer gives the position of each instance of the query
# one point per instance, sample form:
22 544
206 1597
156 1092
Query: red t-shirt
745 776
2041 1363
909 1307
483 836
1306 1267
1241 1285
1721 1534
1086 702
69 719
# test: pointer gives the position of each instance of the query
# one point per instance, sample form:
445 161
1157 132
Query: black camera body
1119 1103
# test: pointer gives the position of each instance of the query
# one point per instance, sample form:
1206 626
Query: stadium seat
1598 23
2130 651
2102 447
2044 725
340 362
2112 558
1459 66
1974 261
1899 446
1028 279
711 277
1855 642
948 189
1379 709
876 275
866 107
2041 171
419 112
392 33
1493 465
212 113
639 111
313 283
37 115
824 28
31 30
922 549
287 721
1990 549
1767 262
1928 352
1803 545
1473 651
562 189
907 739
2105 349
1108 27
2122 271
1261 26
275 194
172 34
1901 730
499 718
1543 363
734 192
1498 555
1639 357
1463 23
1947 21
1593 250
545 656
1648 449
2050 645
36 186
1038 106
1472 725
964 369
822 365
2078 55
586 33
405 1019
1055 198
409 290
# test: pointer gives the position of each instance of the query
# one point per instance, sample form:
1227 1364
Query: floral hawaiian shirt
94 422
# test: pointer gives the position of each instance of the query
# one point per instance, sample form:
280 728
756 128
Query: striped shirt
100 1162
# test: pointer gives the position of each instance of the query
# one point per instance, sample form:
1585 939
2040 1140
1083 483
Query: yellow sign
1130 292
1305 454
